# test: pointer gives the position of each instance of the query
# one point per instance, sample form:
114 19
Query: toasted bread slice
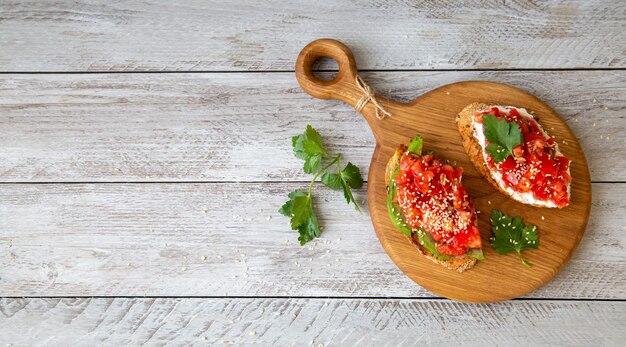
458 263
475 152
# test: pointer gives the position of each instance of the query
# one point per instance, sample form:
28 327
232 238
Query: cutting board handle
344 86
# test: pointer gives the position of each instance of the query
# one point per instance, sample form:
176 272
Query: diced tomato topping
431 196
536 166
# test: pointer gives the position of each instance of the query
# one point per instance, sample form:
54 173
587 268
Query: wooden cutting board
432 115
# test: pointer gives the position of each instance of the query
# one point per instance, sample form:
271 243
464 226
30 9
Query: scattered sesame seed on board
252 333
595 100
203 258
543 218
268 218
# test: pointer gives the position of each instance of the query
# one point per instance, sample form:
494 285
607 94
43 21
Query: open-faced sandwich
515 154
427 203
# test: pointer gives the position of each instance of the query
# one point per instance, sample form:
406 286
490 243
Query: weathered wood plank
261 35
216 239
305 322
216 127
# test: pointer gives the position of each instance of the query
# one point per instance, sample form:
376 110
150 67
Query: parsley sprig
503 136
511 235
309 147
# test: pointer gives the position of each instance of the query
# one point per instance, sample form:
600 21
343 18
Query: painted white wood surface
308 322
267 35
215 240
237 127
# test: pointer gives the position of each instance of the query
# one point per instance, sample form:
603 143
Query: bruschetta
513 152
428 204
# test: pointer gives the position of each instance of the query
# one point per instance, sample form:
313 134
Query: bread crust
475 151
458 263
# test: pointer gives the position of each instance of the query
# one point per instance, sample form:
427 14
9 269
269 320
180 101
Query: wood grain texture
221 127
117 239
433 115
305 322
267 35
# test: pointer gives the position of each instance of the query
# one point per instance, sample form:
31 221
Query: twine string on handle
369 96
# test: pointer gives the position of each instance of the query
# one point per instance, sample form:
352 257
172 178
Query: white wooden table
145 150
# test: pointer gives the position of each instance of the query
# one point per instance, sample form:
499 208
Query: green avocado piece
430 244
416 145
476 253
393 209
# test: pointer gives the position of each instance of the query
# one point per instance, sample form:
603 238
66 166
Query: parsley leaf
502 135
299 207
309 146
349 177
510 235
332 180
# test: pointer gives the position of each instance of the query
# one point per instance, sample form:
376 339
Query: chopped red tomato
432 198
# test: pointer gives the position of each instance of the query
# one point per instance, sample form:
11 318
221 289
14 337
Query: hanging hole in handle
325 69
318 86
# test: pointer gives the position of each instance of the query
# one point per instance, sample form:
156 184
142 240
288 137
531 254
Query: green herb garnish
503 136
510 235
309 147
